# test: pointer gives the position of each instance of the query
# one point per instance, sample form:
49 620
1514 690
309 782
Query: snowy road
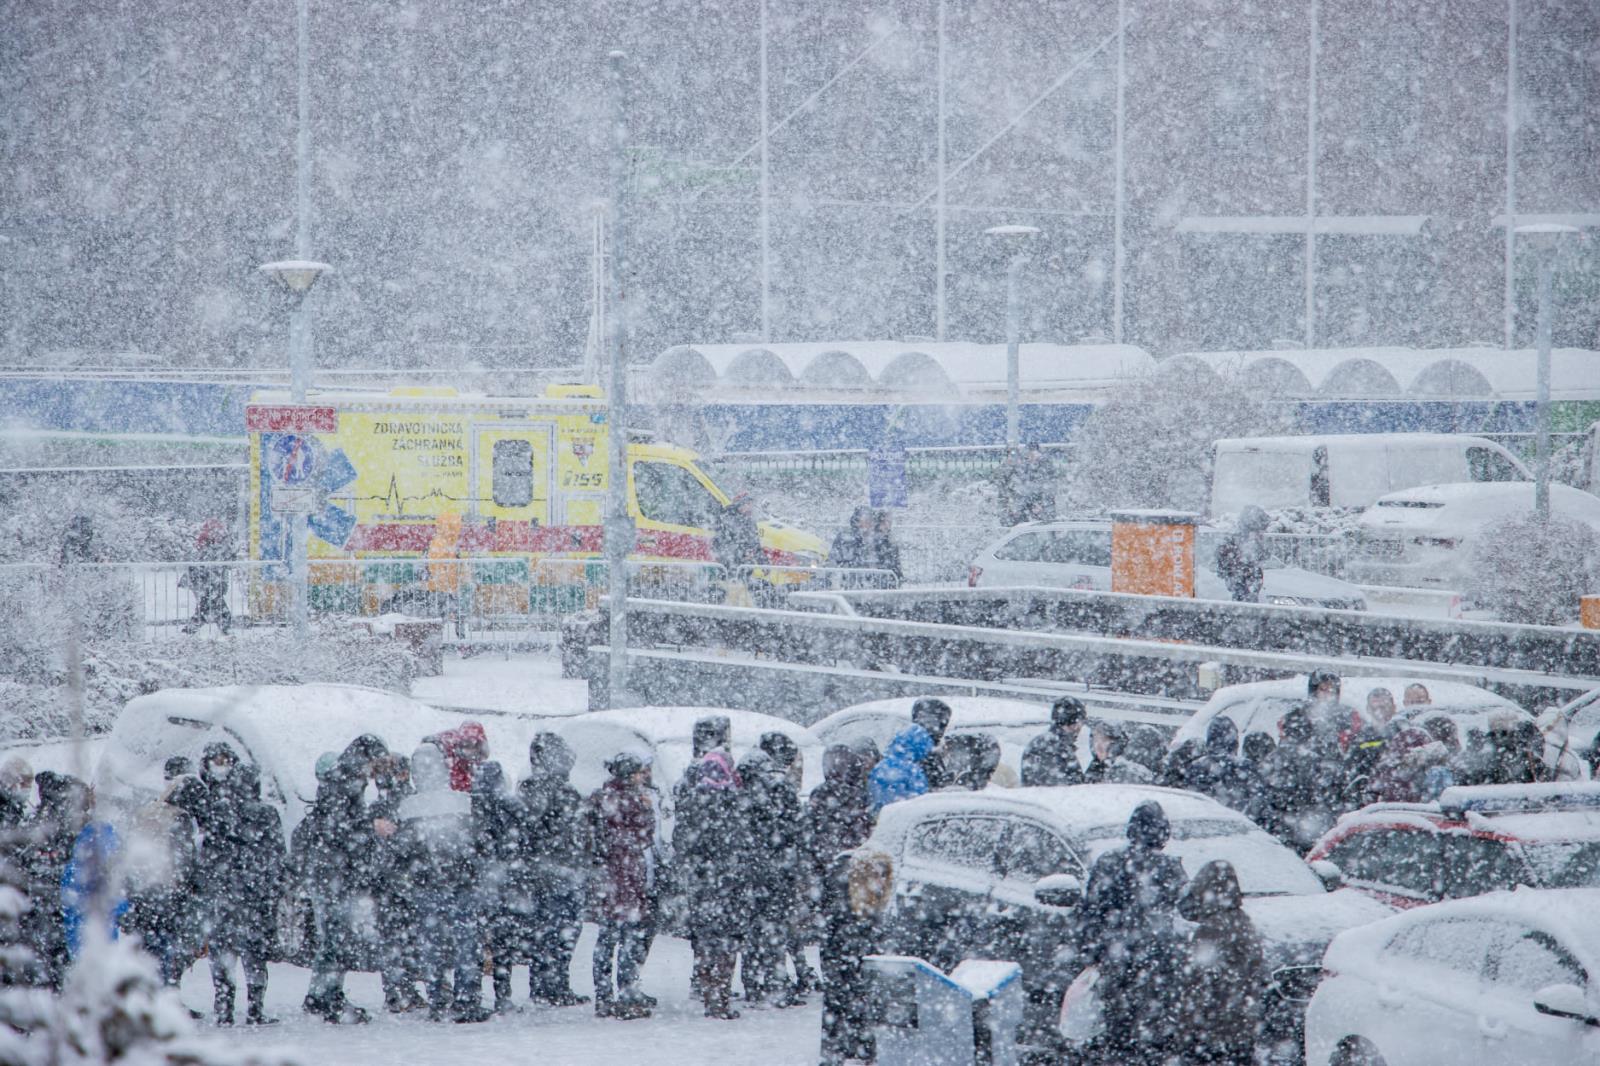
573 1036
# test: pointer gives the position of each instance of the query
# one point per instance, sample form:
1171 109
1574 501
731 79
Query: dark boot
256 1011
222 1006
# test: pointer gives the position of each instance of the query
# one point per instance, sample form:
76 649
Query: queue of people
867 544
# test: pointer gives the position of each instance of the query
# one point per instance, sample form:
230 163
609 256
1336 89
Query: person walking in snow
1126 929
241 878
161 869
497 824
620 824
770 811
1241 554
1221 773
1226 971
855 890
711 843
435 854
207 581
550 870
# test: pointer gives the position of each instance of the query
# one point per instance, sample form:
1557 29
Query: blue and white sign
886 477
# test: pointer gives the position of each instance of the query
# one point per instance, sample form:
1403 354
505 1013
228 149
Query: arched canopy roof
1395 373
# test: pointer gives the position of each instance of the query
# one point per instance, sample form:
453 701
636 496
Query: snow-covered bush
1530 571
1149 444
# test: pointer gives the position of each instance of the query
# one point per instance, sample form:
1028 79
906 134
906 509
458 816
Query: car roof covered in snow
966 712
665 734
282 727
1480 492
1456 698
1564 913
1545 812
1083 808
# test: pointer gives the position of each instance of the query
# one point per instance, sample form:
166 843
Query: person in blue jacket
899 774
89 874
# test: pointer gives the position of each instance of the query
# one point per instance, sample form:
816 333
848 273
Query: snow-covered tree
1535 572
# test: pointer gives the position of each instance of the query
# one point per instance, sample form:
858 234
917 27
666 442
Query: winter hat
549 754
755 765
710 733
1258 745
1148 826
715 773
428 771
175 767
933 715
1067 711
326 763
247 781
1222 736
624 764
840 764
368 747
780 749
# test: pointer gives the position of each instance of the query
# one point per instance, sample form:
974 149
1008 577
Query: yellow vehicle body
430 491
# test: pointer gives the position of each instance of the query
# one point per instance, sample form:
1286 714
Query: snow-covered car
1505 979
1077 554
1471 841
1259 705
1582 718
280 728
1424 537
973 871
1012 723
666 735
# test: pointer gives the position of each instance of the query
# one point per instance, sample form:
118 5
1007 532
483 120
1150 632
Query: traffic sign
886 477
292 459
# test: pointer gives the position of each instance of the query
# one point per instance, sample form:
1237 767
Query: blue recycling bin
931 1018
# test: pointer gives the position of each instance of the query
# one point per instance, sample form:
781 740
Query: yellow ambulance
427 491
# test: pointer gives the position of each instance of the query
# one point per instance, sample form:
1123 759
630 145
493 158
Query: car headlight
1292 601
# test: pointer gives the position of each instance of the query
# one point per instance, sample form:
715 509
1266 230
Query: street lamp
1545 239
298 276
1015 237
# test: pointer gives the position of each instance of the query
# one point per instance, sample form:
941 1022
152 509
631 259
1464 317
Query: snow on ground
571 1036
513 682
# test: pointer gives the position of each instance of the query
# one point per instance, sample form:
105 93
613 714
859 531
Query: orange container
1152 552
1589 612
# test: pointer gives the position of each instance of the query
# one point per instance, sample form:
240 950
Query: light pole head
296 275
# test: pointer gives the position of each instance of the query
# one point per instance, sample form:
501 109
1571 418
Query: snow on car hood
1303 925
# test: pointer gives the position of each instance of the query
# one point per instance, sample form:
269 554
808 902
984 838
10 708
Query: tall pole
766 171
619 531
1313 47
1511 175
940 324
1541 488
300 339
1117 259
1013 356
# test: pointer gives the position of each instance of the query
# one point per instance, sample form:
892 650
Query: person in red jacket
465 748
620 821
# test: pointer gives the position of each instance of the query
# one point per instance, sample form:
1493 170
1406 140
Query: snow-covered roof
1080 807
947 369
1394 373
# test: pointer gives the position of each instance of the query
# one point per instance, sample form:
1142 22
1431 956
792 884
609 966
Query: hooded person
1051 758
464 748
497 827
899 774
242 895
789 775
712 841
852 545
837 817
1110 765
1226 971
161 864
1126 929
1241 554
771 813
550 870
63 811
91 883
16 782
1303 776
973 759
620 825
435 854
934 715
1220 772
855 890
334 855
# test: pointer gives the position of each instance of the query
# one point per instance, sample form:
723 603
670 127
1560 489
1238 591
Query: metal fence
972 460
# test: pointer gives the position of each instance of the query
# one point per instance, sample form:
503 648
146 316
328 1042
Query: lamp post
1545 239
619 528
298 276
1017 238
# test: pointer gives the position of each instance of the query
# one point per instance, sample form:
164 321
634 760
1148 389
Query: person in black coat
1126 928
1051 758
789 772
241 878
711 840
1226 971
852 545
772 819
63 811
838 818
934 714
855 889
161 865
1303 778
550 870
398 952
335 852
497 824
1221 773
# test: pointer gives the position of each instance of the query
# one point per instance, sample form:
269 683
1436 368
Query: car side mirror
1564 1001
1058 890
1329 874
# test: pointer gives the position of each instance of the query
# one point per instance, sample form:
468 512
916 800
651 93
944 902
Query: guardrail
1026 645
920 462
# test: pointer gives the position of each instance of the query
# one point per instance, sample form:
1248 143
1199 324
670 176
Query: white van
1349 470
